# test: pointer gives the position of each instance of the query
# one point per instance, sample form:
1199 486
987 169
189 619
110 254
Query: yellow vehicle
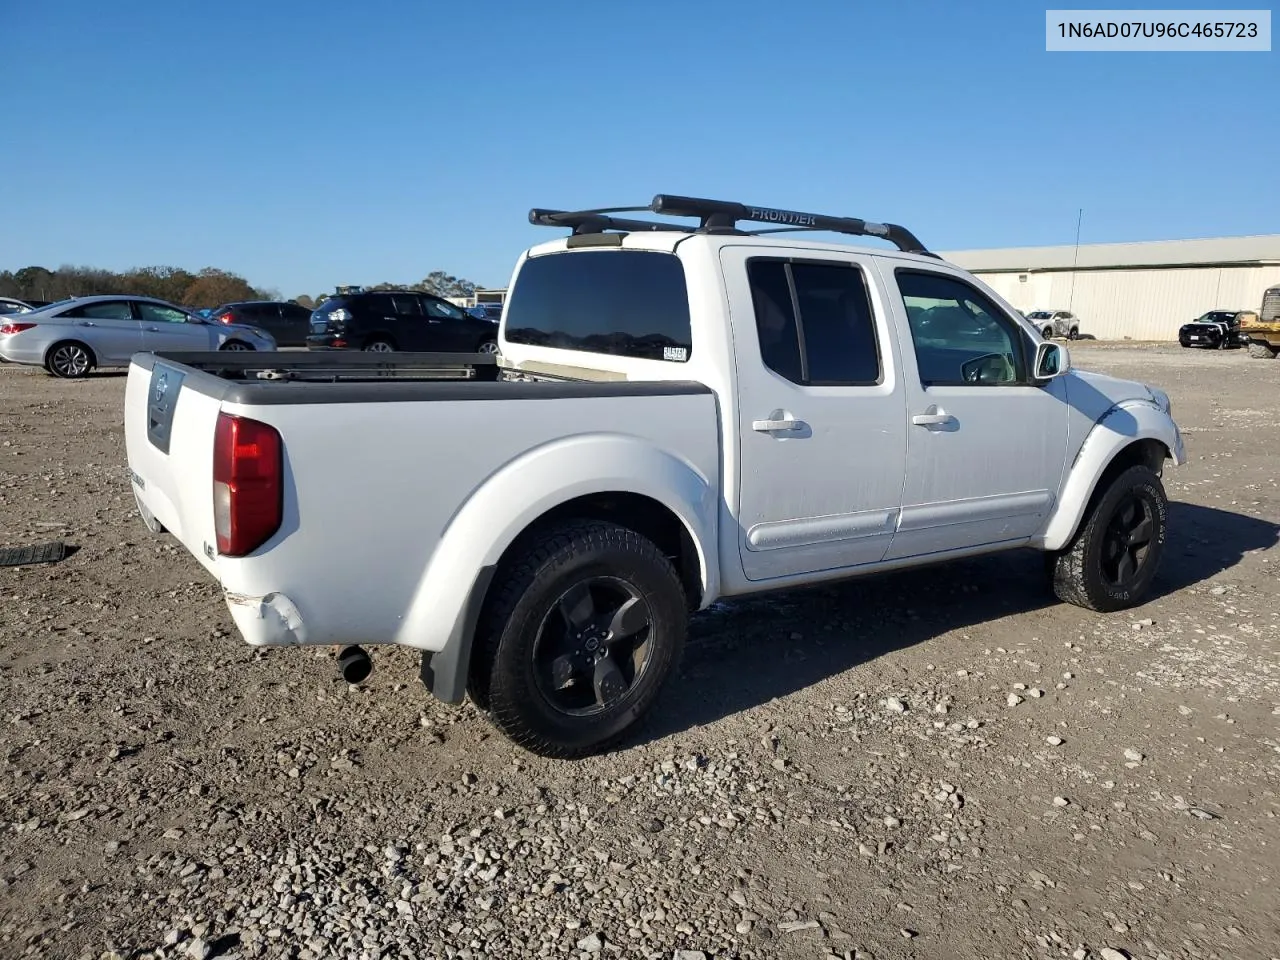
1262 330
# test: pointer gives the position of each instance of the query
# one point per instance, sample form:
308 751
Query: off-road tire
501 677
1077 570
1261 351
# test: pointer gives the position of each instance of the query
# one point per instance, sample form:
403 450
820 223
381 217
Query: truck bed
410 467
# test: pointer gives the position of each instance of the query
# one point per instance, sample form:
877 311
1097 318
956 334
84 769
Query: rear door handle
85 323
932 419
770 426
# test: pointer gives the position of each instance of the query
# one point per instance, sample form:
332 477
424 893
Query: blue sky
307 144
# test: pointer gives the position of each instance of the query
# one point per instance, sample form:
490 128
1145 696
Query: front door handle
86 323
933 419
770 426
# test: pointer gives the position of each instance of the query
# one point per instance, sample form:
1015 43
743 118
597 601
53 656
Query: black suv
1217 329
399 320
287 322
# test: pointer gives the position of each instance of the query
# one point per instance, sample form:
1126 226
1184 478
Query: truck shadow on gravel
744 653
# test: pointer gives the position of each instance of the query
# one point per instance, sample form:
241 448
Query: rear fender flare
524 489
1121 426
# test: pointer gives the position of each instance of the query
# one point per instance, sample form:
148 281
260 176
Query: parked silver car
72 337
10 305
1055 323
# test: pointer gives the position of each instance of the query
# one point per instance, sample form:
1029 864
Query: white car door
107 327
821 411
986 447
168 328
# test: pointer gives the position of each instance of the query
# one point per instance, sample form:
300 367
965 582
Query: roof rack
722 217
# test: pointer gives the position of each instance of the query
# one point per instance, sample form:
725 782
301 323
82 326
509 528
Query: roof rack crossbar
715 213
722 216
588 221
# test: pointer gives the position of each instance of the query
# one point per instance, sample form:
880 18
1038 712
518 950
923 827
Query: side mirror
1052 360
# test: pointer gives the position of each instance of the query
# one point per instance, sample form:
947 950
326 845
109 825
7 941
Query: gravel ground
944 763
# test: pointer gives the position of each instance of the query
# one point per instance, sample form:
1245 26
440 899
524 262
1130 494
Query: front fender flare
1124 424
522 490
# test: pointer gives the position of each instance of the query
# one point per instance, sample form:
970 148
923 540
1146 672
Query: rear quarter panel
390 509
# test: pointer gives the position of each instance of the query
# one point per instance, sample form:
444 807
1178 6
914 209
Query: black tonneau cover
288 377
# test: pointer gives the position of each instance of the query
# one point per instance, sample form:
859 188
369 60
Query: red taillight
248 488
15 327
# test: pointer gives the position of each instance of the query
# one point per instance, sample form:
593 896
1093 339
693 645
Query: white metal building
1135 291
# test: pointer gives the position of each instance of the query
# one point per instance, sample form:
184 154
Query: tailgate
169 431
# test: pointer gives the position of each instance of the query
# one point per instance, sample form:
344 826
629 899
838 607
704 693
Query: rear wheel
586 625
487 346
69 360
380 346
1262 351
235 345
1111 561
1074 334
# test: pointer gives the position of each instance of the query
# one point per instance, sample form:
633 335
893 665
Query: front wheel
1047 333
488 347
1111 561
235 345
586 625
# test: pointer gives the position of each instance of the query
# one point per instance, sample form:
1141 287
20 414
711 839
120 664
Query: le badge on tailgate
162 400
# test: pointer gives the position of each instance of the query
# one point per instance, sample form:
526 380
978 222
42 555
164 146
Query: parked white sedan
72 337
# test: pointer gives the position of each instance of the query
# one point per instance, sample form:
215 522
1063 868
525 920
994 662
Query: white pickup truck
679 413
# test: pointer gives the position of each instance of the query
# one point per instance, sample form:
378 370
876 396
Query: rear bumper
326 341
14 350
272 620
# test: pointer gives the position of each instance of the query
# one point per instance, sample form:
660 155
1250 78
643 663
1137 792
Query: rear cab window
626 303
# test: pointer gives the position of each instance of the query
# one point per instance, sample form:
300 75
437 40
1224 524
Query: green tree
446 285
33 282
214 287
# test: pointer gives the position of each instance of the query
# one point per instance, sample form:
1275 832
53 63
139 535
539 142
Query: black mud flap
445 673
37 553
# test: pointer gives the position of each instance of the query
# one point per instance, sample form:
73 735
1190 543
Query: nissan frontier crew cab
677 413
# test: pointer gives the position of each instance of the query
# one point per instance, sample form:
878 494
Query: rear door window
814 321
264 313
377 305
628 303
102 310
406 305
